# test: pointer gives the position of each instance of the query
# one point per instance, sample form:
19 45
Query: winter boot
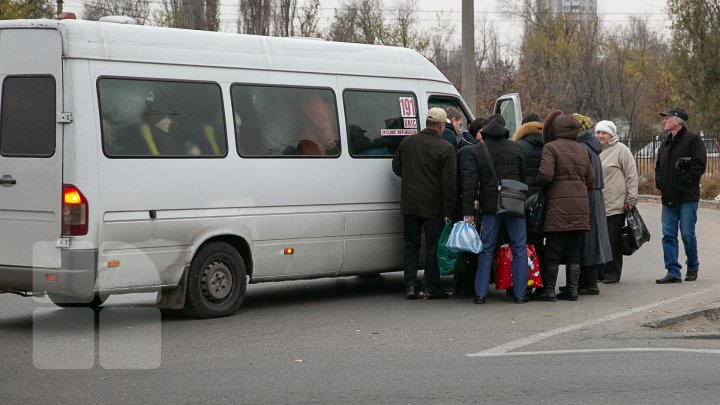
572 274
588 281
547 293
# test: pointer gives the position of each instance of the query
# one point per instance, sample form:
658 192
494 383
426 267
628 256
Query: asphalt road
357 340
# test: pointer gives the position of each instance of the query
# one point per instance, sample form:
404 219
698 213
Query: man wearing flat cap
426 164
679 166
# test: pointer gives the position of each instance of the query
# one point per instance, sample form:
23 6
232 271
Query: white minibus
139 159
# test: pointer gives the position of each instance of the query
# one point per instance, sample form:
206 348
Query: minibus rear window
285 121
161 119
377 121
27 121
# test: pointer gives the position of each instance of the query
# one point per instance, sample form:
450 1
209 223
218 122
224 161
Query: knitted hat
584 121
606 126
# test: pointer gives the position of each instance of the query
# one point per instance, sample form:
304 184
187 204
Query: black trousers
613 269
562 247
414 226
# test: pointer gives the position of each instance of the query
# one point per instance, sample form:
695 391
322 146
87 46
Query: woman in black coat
508 161
595 248
529 137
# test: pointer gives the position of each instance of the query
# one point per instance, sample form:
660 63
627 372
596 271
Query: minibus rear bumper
76 277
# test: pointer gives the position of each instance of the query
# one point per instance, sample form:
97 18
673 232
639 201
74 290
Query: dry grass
709 183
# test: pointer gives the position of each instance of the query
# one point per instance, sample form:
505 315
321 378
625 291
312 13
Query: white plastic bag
464 238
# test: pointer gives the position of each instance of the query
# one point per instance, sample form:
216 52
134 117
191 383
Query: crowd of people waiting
589 180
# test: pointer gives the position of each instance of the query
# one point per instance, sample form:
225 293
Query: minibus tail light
74 212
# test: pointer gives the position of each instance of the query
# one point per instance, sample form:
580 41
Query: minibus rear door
30 147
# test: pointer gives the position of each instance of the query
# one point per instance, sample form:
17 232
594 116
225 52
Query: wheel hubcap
217 281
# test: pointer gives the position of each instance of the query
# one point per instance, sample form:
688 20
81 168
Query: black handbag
634 234
627 246
535 212
511 193
640 233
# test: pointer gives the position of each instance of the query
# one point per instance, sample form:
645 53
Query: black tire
216 282
66 301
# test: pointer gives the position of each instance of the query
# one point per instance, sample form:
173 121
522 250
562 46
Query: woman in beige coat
621 190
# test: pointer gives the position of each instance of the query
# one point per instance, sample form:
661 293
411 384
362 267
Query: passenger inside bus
318 134
157 134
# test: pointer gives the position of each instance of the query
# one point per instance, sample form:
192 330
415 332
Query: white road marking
516 344
591 351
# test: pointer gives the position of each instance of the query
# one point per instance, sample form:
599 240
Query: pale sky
613 12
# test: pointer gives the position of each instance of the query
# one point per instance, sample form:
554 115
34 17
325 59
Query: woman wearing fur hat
566 175
621 190
529 137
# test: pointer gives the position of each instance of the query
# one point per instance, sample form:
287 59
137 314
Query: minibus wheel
216 282
66 301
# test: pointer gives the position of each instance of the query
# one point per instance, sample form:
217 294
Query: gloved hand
683 164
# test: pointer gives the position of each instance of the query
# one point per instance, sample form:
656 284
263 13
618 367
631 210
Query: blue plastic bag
464 238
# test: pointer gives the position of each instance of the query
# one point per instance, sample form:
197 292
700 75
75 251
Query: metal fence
645 151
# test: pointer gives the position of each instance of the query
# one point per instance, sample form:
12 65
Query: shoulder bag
511 193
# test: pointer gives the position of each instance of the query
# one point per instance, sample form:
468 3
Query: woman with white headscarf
621 190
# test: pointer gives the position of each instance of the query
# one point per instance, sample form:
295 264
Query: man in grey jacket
427 165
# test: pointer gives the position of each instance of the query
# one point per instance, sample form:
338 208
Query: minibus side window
161 119
285 121
447 102
27 119
377 121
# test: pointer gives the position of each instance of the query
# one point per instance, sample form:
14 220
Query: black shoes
691 276
478 300
567 296
435 294
611 281
522 300
543 294
669 280
589 291
411 293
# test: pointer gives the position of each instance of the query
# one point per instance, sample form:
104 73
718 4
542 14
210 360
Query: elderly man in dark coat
566 175
427 166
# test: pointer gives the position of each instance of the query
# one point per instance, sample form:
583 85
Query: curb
656 199
665 322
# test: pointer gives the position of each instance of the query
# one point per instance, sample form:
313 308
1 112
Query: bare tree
358 21
254 17
309 18
442 51
196 15
495 70
284 16
139 10
343 26
402 29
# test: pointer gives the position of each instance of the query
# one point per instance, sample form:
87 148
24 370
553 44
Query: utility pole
468 55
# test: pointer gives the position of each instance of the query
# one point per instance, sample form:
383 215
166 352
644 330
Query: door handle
7 179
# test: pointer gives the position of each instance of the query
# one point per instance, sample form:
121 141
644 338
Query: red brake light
74 212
